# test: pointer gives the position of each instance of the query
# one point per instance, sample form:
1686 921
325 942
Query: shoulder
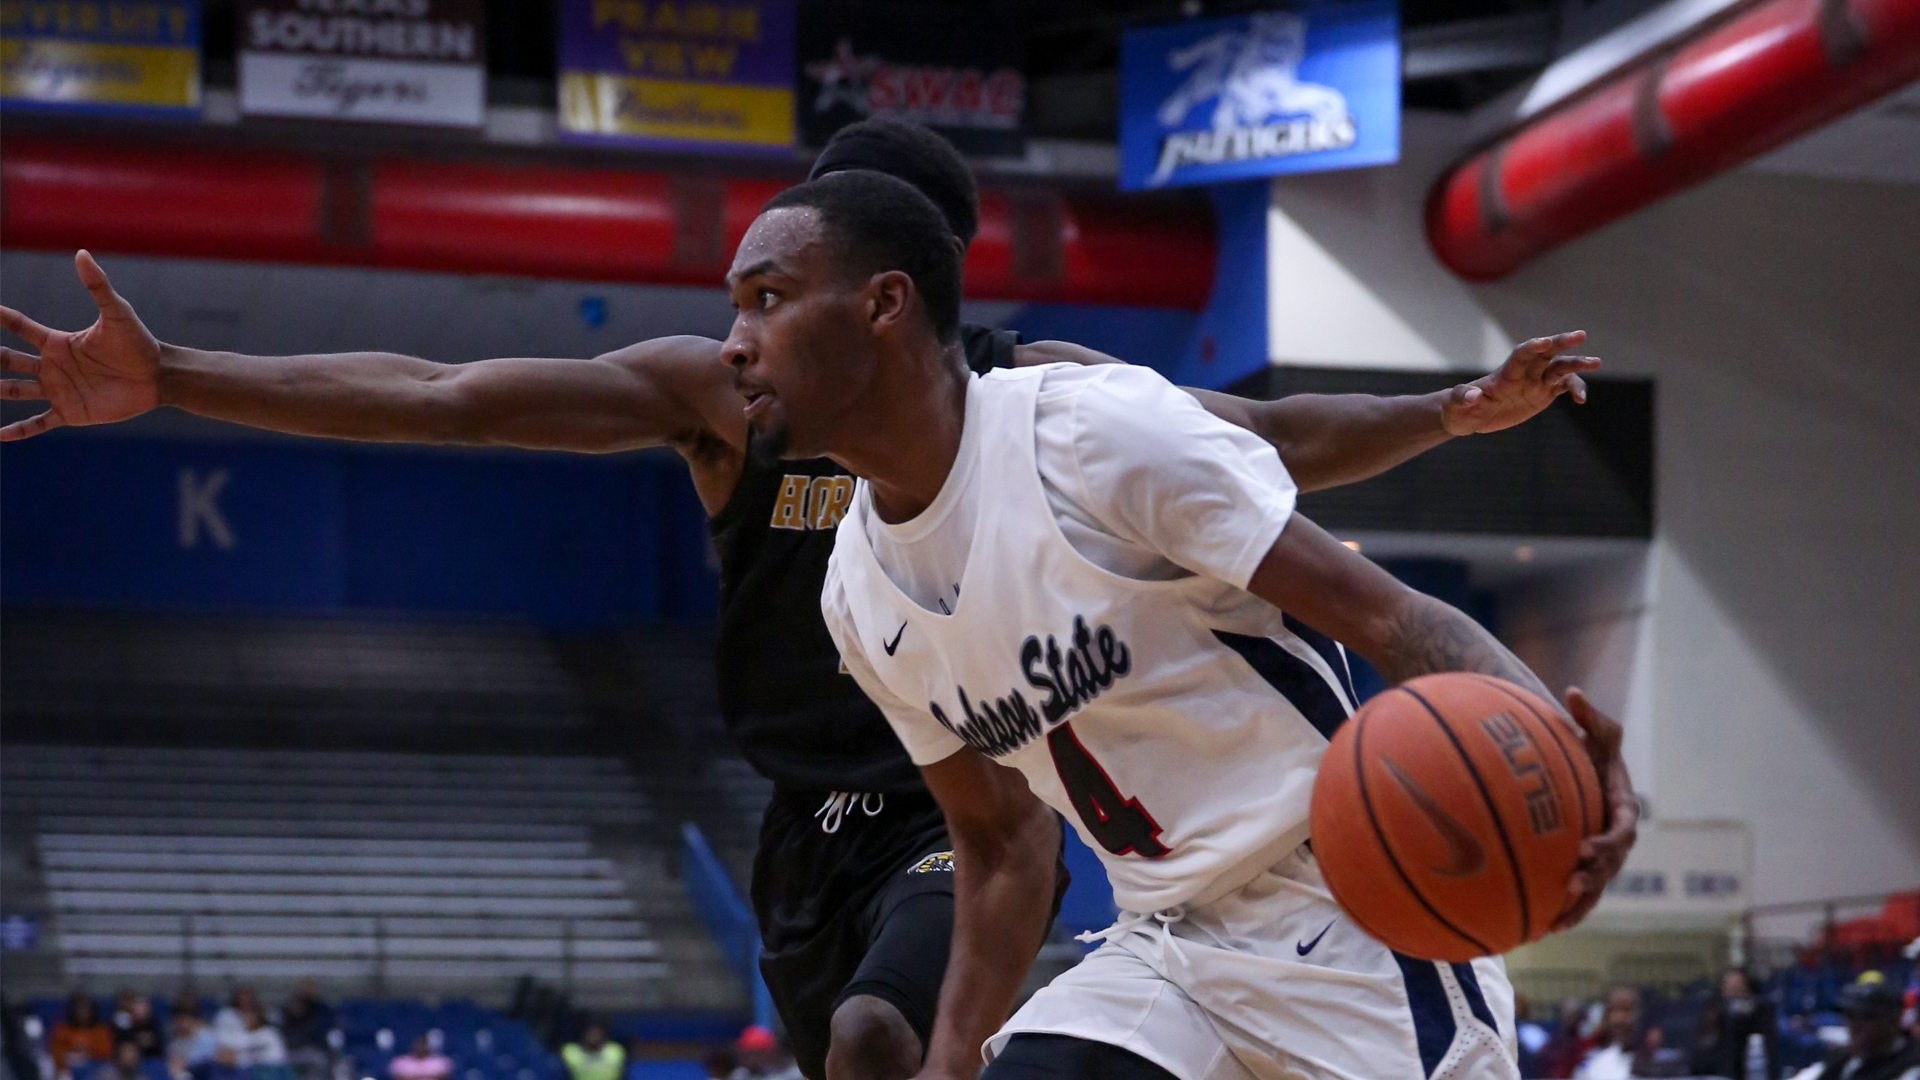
678 349
684 365
1031 354
1113 398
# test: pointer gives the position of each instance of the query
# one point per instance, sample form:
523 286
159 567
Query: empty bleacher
402 873
397 807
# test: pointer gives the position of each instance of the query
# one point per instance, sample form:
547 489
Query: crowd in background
1856 1025
1735 1032
239 1041
300 1040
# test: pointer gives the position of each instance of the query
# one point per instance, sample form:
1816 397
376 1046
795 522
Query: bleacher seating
428 874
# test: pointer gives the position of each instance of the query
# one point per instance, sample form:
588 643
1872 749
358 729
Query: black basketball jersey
800 719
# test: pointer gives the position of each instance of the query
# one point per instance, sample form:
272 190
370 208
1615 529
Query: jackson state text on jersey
1070 679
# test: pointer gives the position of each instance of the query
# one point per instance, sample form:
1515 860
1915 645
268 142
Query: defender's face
797 346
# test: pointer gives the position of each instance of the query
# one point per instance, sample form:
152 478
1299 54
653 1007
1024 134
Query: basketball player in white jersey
1079 573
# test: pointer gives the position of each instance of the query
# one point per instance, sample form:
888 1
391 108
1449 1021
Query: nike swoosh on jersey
895 643
1465 854
1305 947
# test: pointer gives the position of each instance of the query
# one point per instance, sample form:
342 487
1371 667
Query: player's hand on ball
1601 856
109 371
1534 374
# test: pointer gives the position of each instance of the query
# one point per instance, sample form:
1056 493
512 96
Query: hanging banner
391 61
1255 95
716 75
101 57
957 68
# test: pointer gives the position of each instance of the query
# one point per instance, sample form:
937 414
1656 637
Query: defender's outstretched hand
109 371
1533 375
1601 856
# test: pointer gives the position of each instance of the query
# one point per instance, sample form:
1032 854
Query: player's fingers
1580 909
95 279
32 332
17 361
1602 729
31 426
1572 385
1541 351
1569 363
21 390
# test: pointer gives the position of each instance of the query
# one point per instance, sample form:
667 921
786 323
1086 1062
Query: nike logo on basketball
895 643
1465 854
1305 947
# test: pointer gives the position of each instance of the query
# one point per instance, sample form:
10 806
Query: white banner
394 91
1684 868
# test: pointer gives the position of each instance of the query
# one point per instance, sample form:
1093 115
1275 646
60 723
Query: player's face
799 354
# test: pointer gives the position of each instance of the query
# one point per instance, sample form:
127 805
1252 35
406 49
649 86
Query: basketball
1449 812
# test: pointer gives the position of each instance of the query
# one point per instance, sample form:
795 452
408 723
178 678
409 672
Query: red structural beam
546 221
1774 71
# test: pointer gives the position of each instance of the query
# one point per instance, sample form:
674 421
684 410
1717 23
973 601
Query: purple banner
745 42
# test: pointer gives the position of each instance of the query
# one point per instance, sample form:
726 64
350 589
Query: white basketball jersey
1177 724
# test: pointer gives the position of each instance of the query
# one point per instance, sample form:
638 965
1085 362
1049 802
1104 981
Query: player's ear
889 297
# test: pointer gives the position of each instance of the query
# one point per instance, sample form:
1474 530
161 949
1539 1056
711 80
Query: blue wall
1212 348
562 540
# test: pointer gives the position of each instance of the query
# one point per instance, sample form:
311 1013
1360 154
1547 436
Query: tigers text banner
1213 100
715 75
99 56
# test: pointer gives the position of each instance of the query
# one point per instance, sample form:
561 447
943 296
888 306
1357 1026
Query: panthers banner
1212 100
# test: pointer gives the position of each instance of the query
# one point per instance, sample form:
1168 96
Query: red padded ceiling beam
1774 71
545 221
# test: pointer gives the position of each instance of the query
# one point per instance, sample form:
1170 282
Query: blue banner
1212 100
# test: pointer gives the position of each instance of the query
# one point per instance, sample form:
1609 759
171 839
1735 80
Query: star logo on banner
842 79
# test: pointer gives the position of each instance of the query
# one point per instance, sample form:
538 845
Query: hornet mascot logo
1253 74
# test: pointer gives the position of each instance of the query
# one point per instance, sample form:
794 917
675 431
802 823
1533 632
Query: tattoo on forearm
1431 636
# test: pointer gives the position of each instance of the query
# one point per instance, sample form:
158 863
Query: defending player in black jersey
850 886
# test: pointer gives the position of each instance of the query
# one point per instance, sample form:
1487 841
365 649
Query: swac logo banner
1275 92
100 56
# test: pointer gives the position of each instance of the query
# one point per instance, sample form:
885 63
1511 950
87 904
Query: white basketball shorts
1271 981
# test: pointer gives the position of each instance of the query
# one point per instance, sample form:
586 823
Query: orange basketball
1449 812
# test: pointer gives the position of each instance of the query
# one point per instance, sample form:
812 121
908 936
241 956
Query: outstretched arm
1327 440
669 391
1405 633
1005 843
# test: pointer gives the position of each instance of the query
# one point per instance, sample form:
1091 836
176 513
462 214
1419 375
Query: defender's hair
911 152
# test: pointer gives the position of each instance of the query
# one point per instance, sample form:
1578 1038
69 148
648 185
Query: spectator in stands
133 1022
128 1064
229 1026
254 1042
1531 1034
1564 1048
224 1066
421 1063
193 1044
80 1038
1877 1049
305 1023
1621 1041
1728 1026
593 1057
762 1056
